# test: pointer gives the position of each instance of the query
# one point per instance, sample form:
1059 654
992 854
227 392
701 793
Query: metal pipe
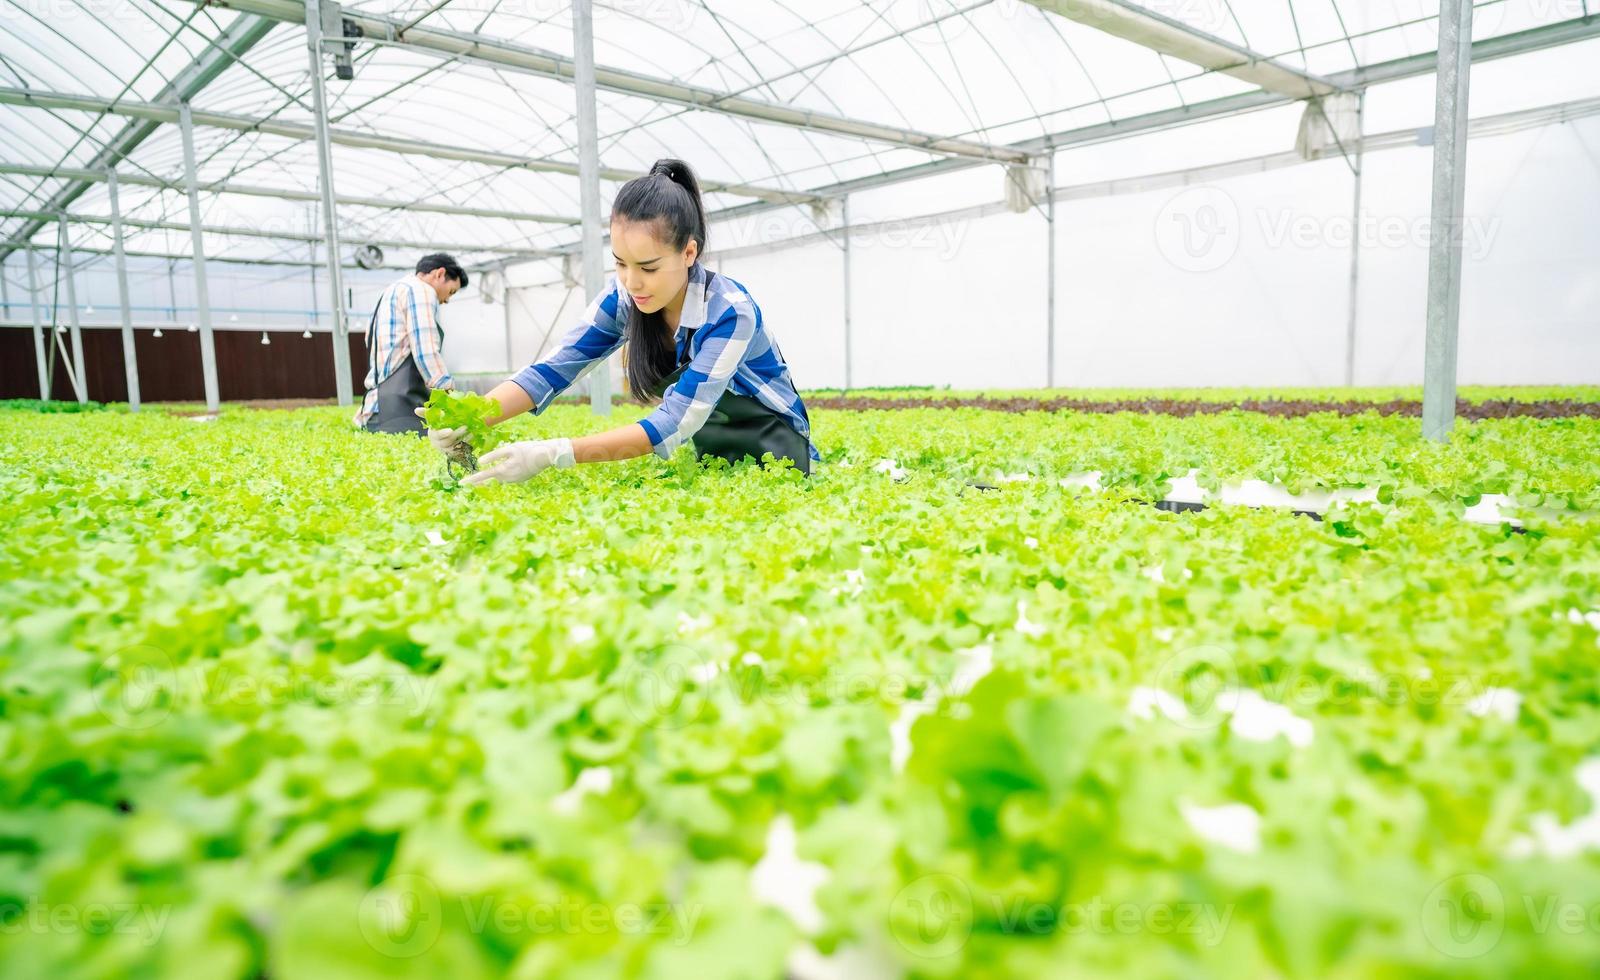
80 383
1050 274
1449 201
219 259
594 281
844 221
221 51
172 287
1503 46
1355 246
311 222
1176 39
202 294
38 332
343 137
505 317
548 64
1484 126
130 361
330 220
229 231
285 194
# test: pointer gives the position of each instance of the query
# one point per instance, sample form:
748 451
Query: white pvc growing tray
1491 508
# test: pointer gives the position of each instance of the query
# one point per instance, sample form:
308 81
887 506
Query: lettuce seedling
464 410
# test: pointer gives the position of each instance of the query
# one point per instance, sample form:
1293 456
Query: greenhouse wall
292 366
1258 298
1242 280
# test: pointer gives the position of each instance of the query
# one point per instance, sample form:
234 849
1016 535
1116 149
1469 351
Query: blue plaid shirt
730 350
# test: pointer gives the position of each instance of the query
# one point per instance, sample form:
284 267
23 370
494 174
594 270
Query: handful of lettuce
469 411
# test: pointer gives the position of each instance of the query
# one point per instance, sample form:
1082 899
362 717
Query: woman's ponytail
679 173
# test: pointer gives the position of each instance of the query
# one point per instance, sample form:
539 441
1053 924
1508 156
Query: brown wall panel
291 366
19 374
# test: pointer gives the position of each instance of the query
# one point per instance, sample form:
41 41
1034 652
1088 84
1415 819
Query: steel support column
197 236
589 184
1354 301
330 218
80 384
130 361
38 331
1050 273
1449 201
844 228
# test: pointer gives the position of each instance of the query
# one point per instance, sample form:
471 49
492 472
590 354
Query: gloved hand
521 461
447 441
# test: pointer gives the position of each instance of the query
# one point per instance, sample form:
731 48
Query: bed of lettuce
273 705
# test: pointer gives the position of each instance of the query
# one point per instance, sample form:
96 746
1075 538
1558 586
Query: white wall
1530 300
474 333
804 310
1243 281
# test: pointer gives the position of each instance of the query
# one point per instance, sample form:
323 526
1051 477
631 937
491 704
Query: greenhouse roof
466 107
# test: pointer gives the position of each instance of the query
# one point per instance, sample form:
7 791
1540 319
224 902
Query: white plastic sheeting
993 71
1240 280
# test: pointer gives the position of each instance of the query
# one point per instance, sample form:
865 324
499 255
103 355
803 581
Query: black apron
741 426
399 395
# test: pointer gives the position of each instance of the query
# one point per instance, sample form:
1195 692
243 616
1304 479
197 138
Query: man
403 346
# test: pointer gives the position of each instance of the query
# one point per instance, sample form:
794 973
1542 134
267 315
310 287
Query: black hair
442 260
668 195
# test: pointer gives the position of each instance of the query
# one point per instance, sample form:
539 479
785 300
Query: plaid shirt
730 350
405 324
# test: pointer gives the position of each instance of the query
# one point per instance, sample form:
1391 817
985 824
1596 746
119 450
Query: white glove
521 461
444 440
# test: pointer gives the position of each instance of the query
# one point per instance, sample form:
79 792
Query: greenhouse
834 490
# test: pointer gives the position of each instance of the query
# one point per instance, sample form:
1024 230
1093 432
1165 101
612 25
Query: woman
695 340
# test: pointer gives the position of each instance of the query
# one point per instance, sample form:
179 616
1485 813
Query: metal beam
1354 301
1449 203
311 222
330 218
134 254
1050 274
290 236
344 137
1489 49
1171 37
1484 127
844 226
38 332
594 274
240 36
280 193
202 294
241 326
130 362
80 383
548 64
505 320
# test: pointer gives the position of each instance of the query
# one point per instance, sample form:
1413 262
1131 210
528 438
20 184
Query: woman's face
652 271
